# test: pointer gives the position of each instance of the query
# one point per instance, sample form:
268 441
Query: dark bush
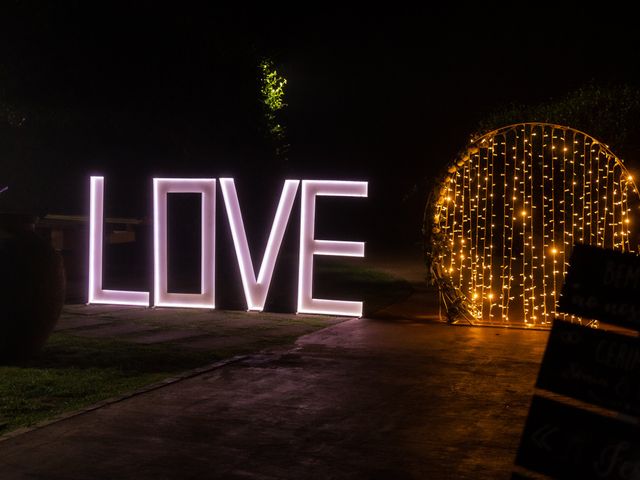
31 289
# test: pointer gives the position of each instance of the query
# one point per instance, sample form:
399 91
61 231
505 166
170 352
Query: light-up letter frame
255 290
96 294
309 246
206 187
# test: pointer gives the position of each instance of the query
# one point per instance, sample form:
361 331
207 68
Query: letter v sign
255 290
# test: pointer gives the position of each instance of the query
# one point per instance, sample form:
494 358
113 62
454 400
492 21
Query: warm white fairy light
509 211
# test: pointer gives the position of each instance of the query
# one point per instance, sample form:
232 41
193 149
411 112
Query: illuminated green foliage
611 113
272 87
272 93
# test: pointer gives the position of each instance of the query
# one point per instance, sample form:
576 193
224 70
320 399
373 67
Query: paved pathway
401 396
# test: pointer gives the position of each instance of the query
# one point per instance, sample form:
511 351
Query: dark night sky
387 94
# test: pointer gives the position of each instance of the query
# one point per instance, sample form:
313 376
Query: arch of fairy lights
507 212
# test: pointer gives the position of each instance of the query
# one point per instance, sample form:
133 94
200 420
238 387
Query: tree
609 113
272 93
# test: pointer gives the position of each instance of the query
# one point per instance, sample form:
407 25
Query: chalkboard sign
602 284
595 366
567 443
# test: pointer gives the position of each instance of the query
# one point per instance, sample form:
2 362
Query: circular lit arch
502 221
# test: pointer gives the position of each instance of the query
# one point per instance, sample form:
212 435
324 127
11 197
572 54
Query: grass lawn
74 371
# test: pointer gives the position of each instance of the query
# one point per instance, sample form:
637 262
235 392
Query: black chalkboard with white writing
594 366
604 285
598 367
565 442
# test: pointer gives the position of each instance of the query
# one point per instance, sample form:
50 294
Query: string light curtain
508 212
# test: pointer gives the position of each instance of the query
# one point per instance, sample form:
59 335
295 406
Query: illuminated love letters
255 287
206 187
96 293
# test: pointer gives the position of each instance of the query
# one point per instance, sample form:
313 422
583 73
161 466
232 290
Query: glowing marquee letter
207 188
255 291
310 247
96 234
